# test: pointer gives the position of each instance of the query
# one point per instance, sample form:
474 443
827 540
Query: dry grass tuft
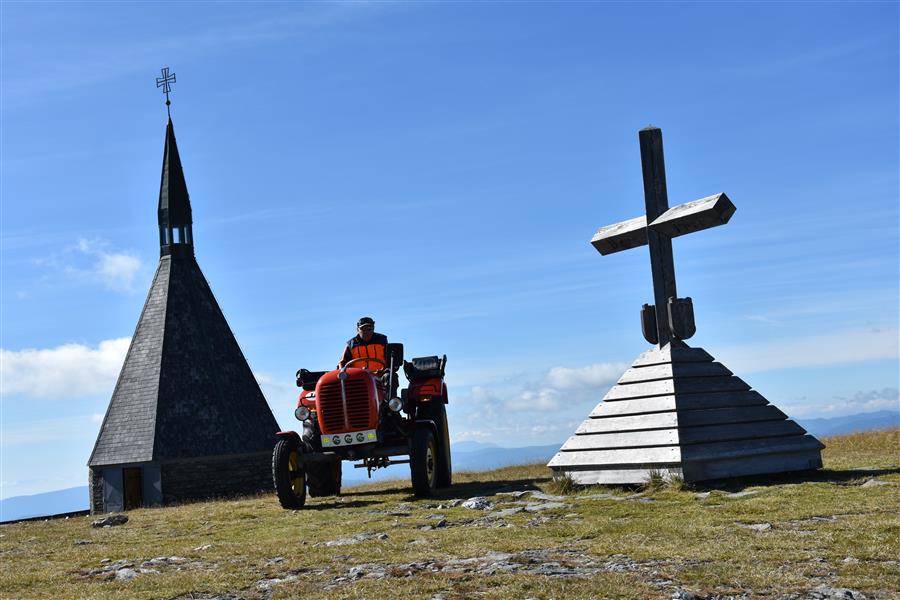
656 481
562 485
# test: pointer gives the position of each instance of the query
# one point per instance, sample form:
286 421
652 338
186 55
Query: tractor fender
307 452
426 423
288 435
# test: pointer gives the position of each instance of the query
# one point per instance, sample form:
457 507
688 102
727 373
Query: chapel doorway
132 488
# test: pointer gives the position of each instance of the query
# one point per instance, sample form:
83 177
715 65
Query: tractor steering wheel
361 359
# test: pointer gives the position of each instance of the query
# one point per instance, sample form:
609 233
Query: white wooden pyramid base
677 412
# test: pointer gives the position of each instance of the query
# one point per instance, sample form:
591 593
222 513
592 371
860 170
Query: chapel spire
175 219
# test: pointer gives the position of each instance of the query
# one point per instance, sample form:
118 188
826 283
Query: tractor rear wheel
423 462
288 474
324 477
436 411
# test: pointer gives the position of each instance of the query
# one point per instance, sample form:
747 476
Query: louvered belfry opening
174 212
187 419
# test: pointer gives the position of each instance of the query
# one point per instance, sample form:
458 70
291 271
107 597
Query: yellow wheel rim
298 479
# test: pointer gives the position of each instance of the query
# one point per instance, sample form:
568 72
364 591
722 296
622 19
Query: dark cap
366 321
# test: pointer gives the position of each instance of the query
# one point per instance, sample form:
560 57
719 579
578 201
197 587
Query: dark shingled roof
174 202
185 389
128 430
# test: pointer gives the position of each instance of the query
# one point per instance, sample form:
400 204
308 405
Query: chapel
187 419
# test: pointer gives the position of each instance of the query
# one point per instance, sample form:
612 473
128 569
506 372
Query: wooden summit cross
677 411
670 317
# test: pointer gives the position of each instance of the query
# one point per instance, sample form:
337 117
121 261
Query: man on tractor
354 413
365 344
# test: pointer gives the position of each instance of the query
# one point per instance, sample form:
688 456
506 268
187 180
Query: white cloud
814 351
888 394
543 398
517 432
92 261
276 389
763 319
865 401
593 376
563 386
560 386
64 372
483 396
860 402
114 270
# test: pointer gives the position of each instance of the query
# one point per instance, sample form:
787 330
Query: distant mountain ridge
467 456
48 503
881 419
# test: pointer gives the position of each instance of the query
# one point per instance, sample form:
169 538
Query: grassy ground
784 536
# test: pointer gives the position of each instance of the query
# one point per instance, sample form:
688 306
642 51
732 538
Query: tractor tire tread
281 478
437 413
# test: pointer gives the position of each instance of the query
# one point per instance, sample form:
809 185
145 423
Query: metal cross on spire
671 317
165 82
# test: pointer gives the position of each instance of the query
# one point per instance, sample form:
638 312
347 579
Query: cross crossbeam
165 82
669 317
689 217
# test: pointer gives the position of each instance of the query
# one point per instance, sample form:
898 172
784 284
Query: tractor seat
308 379
424 367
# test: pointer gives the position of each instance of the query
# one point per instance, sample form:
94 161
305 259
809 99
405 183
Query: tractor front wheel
289 474
423 462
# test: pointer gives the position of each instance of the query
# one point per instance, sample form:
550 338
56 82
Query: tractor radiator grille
331 406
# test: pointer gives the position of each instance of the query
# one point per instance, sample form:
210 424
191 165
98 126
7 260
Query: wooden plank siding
683 435
722 468
618 476
636 406
738 431
627 456
686 385
669 370
677 410
682 354
742 448
628 439
666 420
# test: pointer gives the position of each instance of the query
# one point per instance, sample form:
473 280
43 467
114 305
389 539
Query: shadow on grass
842 477
467 489
489 488
332 503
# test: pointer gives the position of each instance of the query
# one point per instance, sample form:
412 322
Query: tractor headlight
395 404
302 413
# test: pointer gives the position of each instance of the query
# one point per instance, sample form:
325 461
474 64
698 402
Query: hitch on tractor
378 462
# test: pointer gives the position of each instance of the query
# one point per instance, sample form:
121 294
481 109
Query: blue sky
442 167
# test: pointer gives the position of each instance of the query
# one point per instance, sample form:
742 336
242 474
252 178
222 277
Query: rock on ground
539 506
110 521
876 482
360 537
478 503
824 592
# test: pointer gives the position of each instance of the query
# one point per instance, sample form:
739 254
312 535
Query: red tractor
355 414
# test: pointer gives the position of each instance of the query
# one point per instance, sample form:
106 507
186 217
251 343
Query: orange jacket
357 348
